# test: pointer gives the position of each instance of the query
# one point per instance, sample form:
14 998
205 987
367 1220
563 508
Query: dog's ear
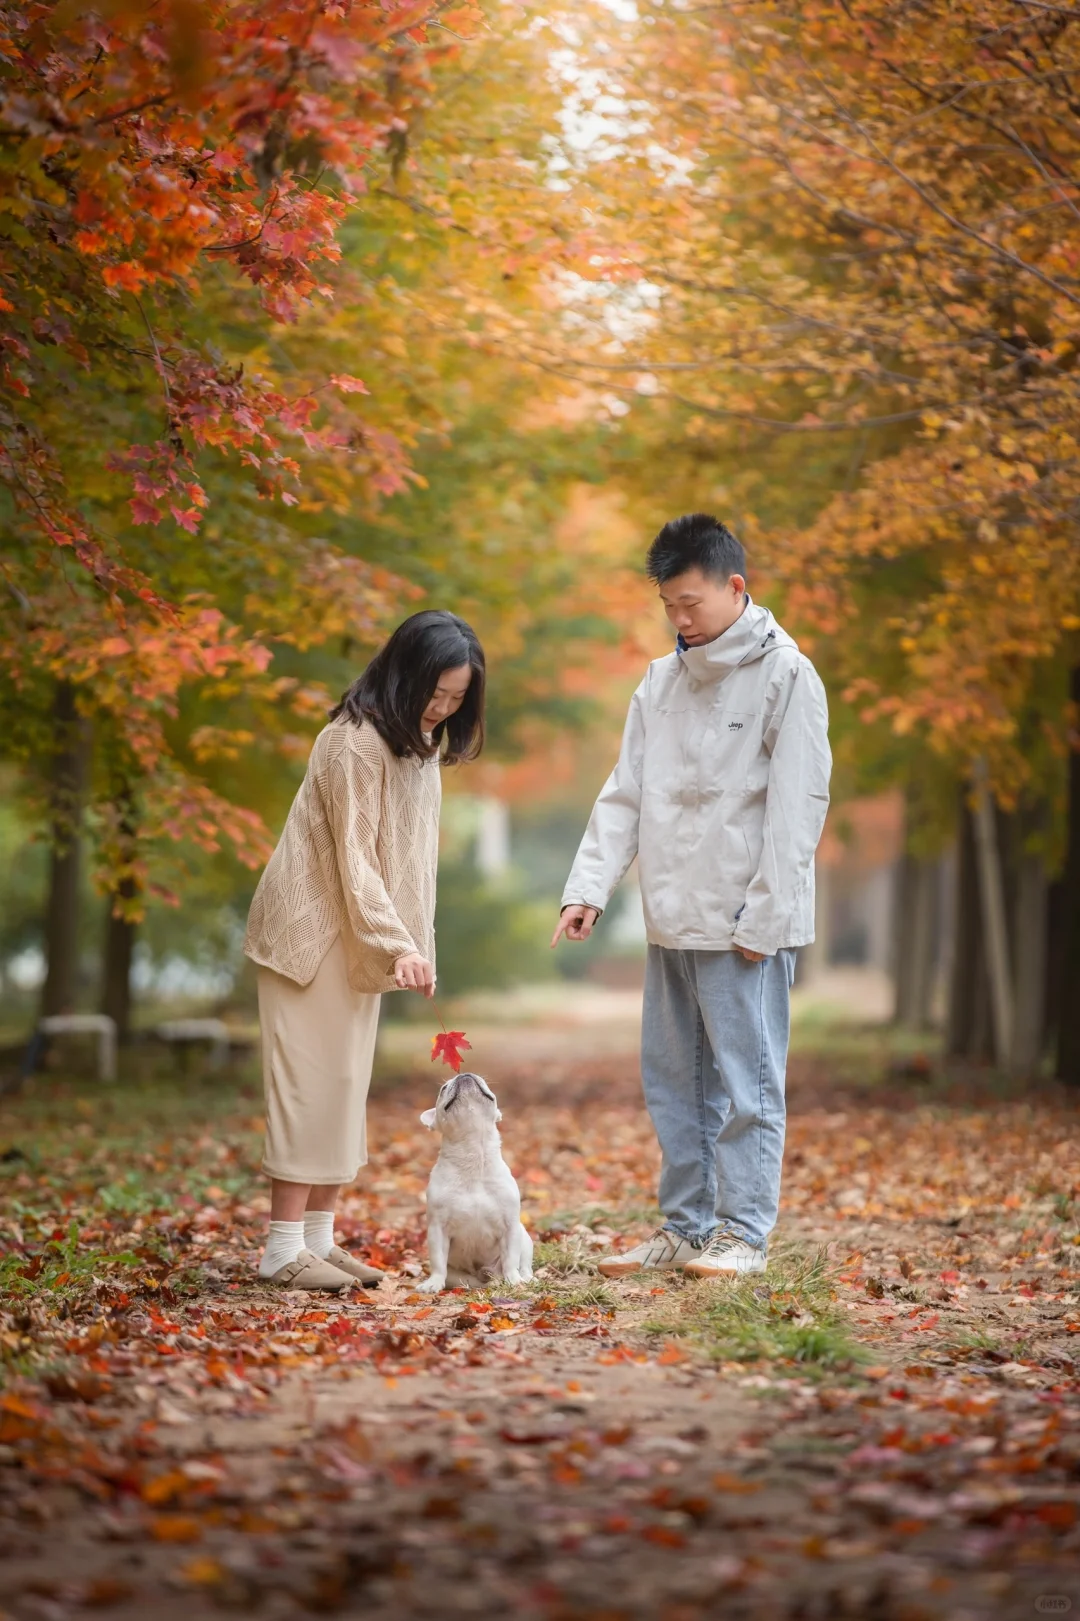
428 1119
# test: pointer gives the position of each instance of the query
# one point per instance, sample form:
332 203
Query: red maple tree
142 146
174 177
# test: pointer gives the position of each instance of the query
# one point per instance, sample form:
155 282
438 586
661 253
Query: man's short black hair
695 541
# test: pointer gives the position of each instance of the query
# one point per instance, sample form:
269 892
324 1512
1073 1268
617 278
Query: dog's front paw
431 1286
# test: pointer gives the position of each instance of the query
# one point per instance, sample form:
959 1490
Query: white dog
475 1234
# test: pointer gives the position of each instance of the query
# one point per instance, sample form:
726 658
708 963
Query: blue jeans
714 1040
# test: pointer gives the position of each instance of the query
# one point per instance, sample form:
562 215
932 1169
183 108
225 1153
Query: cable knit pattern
357 857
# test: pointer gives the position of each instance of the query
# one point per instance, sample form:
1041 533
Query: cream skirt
318 1044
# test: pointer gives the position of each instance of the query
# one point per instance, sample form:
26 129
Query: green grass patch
788 1315
573 1249
87 1170
62 1264
565 1256
579 1295
822 1030
966 1342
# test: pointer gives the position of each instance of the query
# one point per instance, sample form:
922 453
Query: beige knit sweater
357 857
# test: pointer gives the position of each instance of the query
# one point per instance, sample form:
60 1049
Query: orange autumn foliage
864 221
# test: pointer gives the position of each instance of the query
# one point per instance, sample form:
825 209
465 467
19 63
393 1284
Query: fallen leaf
202 1572
176 1528
735 1483
165 1488
664 1536
104 1591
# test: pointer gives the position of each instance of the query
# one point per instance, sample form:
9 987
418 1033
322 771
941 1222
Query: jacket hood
754 635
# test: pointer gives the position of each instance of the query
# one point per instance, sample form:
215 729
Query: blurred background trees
312 314
859 250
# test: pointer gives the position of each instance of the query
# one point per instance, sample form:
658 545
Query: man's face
700 607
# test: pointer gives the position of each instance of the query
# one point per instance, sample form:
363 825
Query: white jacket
720 791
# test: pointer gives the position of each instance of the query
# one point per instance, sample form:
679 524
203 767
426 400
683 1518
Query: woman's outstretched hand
415 973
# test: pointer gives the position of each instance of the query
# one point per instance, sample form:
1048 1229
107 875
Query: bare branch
921 191
129 112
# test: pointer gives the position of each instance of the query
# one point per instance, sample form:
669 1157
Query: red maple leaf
448 1046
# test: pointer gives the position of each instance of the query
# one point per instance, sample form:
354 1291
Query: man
720 791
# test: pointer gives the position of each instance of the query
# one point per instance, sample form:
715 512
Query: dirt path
892 1434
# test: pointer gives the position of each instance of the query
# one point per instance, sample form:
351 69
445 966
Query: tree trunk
966 1024
916 940
1055 952
1030 941
70 761
116 975
1068 997
120 930
903 964
994 918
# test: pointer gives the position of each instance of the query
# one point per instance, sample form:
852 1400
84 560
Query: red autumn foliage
448 1046
142 148
174 178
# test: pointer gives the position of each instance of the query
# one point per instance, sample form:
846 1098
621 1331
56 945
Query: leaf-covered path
885 1426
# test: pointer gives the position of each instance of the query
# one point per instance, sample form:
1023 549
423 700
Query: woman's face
448 697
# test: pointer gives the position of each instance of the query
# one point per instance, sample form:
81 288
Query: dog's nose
467 1082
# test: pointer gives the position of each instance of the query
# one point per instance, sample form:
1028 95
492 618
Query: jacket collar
752 635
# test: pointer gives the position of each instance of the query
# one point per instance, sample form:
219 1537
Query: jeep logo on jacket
720 790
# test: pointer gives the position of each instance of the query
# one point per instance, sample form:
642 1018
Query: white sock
283 1245
319 1232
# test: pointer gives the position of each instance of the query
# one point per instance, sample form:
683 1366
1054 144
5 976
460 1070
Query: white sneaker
724 1255
664 1251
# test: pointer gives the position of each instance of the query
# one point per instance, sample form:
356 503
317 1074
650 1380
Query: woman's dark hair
397 686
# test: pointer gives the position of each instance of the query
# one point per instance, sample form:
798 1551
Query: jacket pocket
731 855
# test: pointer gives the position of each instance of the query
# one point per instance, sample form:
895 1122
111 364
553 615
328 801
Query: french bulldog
475 1235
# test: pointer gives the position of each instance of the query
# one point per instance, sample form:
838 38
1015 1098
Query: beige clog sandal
369 1276
308 1272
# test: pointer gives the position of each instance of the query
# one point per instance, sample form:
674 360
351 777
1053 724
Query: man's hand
415 973
576 922
751 956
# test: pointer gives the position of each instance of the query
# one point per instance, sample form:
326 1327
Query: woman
344 911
